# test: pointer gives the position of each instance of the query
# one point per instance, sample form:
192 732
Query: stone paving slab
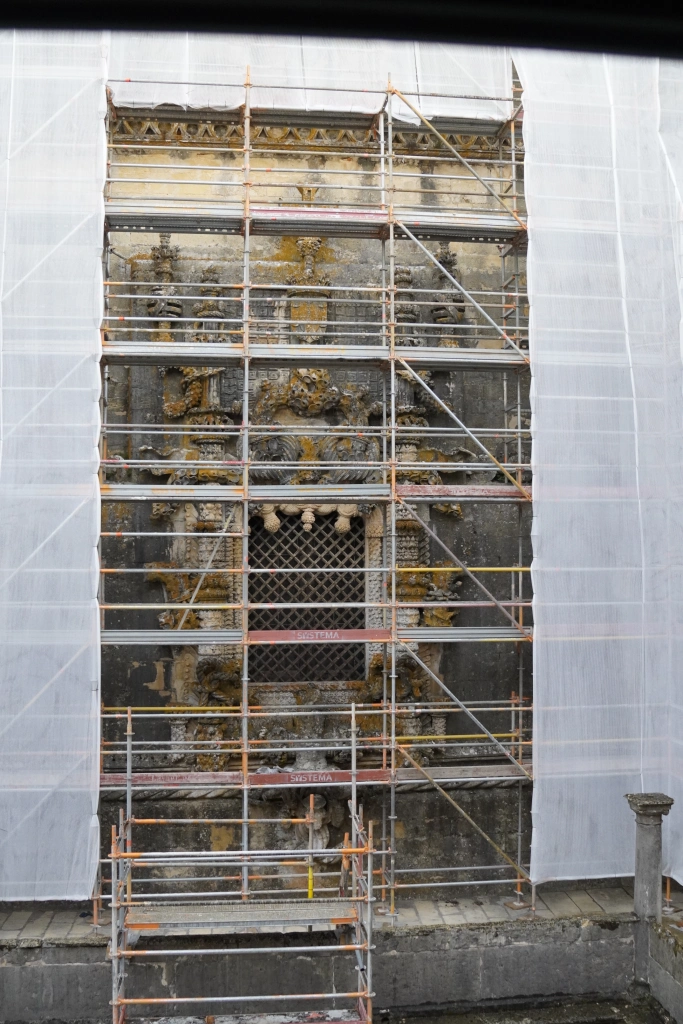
562 905
613 901
474 913
17 920
497 912
551 905
428 913
67 927
542 912
452 915
37 926
585 903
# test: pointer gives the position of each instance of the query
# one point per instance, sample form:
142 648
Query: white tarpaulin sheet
604 171
298 73
52 169
607 405
52 105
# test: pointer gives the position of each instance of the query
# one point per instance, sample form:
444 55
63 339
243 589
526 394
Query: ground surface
609 1012
41 924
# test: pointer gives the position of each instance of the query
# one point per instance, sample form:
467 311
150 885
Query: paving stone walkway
35 927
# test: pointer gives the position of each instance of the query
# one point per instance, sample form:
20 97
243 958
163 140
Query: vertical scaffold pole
311 811
354 778
355 834
368 924
384 549
114 948
245 488
129 801
520 551
392 503
520 574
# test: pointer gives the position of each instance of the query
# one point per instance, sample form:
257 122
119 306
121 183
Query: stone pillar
649 809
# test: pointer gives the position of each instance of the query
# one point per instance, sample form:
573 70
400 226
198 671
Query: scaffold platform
250 918
473 225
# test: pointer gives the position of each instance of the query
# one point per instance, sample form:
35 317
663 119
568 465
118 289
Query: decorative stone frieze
149 129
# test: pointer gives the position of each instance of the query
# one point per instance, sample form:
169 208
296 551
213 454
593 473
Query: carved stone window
292 547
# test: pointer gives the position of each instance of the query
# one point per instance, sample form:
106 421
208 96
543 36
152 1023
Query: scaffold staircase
140 916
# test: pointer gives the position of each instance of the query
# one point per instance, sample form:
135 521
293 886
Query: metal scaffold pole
385 579
392 503
245 485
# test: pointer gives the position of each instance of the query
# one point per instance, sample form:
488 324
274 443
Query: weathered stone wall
428 830
666 970
421 969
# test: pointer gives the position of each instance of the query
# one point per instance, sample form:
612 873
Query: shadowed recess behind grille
293 548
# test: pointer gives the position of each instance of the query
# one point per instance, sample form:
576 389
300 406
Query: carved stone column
649 808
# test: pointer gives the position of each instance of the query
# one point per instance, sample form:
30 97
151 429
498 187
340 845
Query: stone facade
308 426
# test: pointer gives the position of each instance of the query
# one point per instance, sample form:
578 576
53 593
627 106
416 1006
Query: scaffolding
417 185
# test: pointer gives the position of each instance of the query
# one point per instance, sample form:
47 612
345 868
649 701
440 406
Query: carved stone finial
406 310
403 277
447 259
308 273
166 306
209 310
308 250
449 308
308 306
164 256
210 274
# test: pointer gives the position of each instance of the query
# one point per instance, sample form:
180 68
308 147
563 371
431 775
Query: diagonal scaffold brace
463 707
461 565
463 291
456 419
461 810
465 163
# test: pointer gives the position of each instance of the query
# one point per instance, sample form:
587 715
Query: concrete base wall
63 983
666 971
527 960
435 968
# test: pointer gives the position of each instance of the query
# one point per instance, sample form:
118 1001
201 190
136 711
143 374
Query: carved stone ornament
407 312
308 512
146 127
166 306
192 394
280 453
308 305
449 310
311 393
209 311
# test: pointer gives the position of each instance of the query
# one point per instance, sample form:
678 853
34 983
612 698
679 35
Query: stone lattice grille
293 548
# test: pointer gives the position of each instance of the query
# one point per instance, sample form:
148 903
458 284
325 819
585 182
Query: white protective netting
607 408
51 212
604 186
51 219
671 132
174 68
